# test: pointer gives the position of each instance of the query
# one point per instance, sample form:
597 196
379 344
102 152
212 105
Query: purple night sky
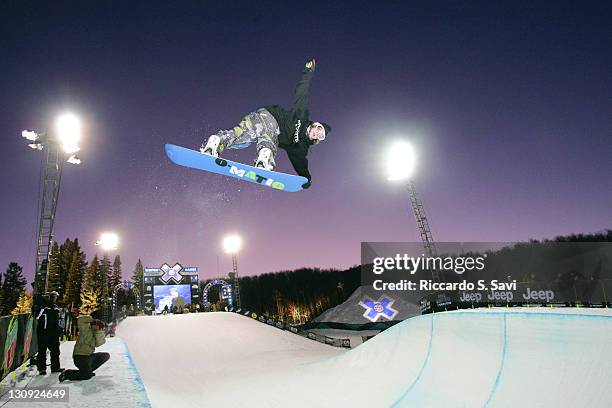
509 107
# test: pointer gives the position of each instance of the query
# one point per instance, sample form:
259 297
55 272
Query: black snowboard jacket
293 137
49 321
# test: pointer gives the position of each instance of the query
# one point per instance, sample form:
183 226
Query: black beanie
326 127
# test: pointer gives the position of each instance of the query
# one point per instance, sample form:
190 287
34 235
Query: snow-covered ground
206 359
516 357
486 357
116 384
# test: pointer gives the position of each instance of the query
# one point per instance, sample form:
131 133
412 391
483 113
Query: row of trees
292 296
301 295
83 287
298 296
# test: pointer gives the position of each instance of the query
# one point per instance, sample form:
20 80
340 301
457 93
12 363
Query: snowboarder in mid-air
271 127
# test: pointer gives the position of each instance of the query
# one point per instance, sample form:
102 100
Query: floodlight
108 241
400 162
73 159
30 135
232 243
68 128
36 146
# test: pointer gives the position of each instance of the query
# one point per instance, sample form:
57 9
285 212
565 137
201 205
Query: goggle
320 131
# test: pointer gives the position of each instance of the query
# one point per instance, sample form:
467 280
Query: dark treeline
301 295
83 287
605 236
298 296
574 263
292 296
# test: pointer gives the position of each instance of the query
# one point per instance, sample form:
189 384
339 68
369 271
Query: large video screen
171 295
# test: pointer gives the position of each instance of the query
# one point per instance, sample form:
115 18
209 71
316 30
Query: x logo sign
171 273
378 309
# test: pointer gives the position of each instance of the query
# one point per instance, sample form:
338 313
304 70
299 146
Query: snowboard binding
265 160
212 146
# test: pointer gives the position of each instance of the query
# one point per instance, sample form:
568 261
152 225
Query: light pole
61 145
109 241
232 244
401 163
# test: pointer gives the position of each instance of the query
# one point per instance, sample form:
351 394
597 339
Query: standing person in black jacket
48 332
272 127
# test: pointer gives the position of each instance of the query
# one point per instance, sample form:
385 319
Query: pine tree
116 280
76 248
65 260
53 269
122 297
104 274
24 304
14 283
81 266
116 276
66 256
89 301
137 280
91 275
74 281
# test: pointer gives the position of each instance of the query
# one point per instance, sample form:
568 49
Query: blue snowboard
196 160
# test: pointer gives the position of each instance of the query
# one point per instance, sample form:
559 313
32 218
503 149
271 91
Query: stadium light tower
232 244
61 145
401 163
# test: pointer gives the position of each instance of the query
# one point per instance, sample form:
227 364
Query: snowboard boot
265 159
212 146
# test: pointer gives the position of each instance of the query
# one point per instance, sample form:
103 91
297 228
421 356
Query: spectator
91 335
48 332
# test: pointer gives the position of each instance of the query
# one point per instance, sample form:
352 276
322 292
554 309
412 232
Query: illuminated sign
173 273
377 309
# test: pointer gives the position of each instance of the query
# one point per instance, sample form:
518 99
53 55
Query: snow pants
51 342
257 127
86 366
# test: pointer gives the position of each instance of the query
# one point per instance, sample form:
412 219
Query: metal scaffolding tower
236 284
423 224
60 146
50 178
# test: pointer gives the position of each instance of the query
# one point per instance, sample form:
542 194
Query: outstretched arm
302 90
300 164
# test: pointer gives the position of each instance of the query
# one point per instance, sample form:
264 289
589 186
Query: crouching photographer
91 335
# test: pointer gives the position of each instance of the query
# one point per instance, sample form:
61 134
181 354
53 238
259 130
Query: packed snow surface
535 357
516 357
206 359
116 384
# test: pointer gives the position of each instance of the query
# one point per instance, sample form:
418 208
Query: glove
310 65
306 185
